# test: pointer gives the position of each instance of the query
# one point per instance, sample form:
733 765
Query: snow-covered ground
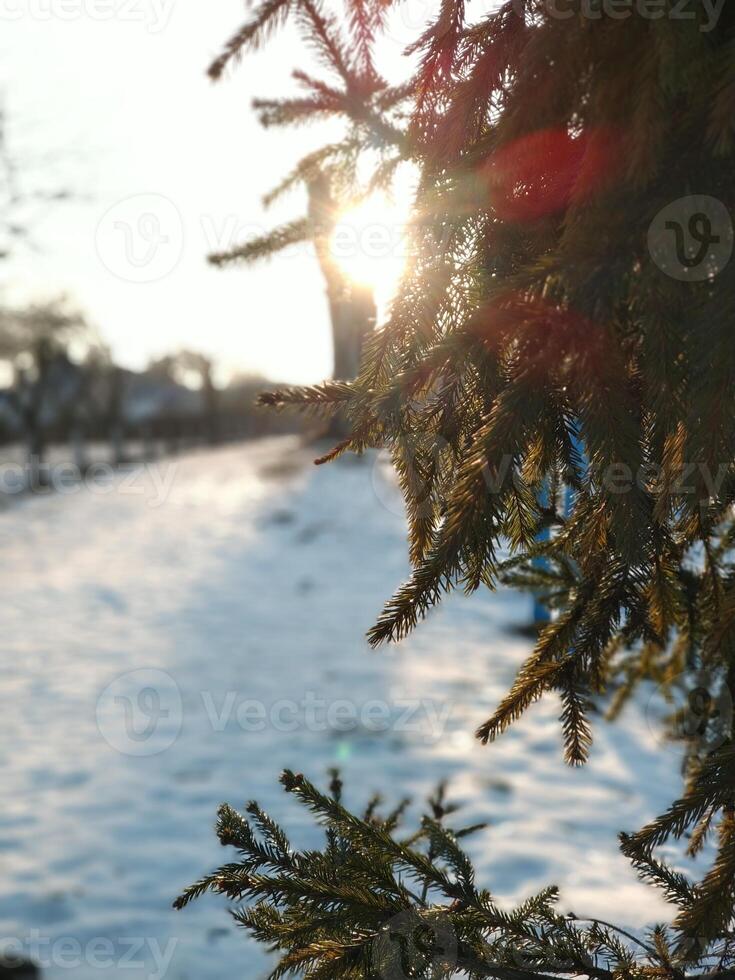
175 635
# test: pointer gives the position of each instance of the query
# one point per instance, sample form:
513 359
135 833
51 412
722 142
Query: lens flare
369 244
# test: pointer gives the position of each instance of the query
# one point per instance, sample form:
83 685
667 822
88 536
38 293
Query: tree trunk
351 306
78 446
115 416
117 443
19 969
210 397
35 451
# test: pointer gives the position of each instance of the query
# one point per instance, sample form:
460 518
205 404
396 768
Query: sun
369 244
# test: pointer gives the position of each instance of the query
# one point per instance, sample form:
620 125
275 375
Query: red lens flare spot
551 337
542 173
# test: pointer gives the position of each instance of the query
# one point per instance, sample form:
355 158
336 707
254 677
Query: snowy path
229 621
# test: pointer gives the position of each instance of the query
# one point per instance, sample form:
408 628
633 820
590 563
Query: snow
219 602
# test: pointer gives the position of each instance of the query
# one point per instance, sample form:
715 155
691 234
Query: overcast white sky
109 99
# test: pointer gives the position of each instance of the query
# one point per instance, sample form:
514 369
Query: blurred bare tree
24 194
194 369
38 344
106 400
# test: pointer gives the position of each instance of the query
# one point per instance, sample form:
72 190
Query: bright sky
109 99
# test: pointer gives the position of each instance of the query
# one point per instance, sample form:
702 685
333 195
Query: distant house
148 397
105 402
